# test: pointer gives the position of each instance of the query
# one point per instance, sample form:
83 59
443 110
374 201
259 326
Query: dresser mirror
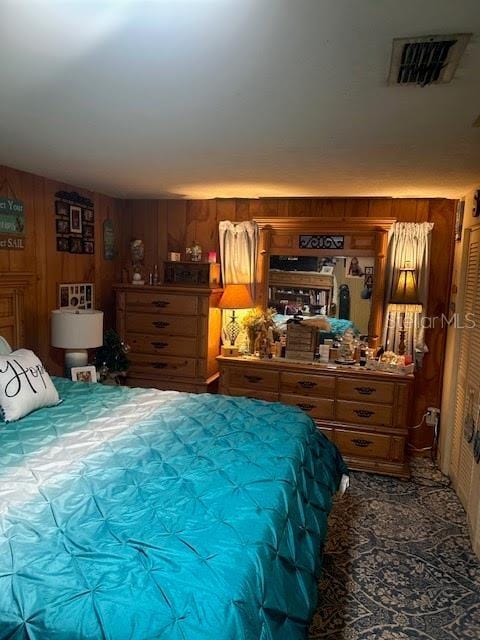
333 267
337 288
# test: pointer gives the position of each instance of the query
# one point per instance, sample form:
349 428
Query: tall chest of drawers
173 334
365 413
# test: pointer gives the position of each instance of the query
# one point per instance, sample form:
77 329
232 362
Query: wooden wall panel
186 220
49 267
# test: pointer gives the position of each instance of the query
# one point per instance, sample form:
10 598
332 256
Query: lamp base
75 358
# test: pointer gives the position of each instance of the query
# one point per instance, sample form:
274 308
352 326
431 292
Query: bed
138 514
337 327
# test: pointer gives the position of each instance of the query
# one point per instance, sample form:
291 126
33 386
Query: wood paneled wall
48 267
171 225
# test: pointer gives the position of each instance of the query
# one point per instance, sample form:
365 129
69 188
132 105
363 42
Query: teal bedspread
132 514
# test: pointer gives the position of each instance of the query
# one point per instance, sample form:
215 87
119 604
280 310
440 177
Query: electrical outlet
432 417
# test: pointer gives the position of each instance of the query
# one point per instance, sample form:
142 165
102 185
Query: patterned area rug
398 563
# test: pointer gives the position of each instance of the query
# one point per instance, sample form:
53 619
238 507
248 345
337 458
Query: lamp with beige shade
235 296
404 300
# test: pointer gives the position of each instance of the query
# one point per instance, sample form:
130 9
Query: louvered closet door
468 363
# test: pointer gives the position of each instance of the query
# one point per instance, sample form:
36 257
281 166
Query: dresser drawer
321 408
363 413
168 345
360 444
253 378
305 384
164 302
257 394
161 324
365 390
162 365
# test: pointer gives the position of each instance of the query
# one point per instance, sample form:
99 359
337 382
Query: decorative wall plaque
12 224
320 241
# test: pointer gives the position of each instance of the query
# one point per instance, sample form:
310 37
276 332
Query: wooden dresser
365 413
173 333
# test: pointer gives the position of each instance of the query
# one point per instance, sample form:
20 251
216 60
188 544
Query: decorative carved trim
319 224
320 241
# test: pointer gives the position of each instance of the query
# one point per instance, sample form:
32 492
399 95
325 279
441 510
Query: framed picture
88 215
62 225
63 244
75 219
88 246
61 208
75 295
76 245
88 231
357 267
84 374
327 270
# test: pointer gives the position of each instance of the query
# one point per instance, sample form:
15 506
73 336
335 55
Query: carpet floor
398 563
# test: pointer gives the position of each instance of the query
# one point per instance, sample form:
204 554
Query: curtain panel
409 244
238 252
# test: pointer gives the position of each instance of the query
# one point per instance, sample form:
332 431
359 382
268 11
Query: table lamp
405 300
76 331
235 296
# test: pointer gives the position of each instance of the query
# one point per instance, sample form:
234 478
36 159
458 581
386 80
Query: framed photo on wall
75 219
77 295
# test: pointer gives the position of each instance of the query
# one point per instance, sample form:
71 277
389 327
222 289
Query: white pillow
24 385
5 348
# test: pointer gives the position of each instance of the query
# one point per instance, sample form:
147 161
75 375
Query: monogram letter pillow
24 385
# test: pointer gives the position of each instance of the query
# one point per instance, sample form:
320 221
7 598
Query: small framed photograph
88 246
76 246
63 297
62 225
327 270
88 231
63 244
88 215
84 374
75 219
61 208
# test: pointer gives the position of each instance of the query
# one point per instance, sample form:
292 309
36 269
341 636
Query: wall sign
12 224
109 249
318 241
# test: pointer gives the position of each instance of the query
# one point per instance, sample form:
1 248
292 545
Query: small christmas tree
113 353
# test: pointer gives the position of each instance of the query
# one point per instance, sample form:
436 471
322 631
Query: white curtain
408 244
238 252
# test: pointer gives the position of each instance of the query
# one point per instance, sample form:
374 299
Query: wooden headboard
13 289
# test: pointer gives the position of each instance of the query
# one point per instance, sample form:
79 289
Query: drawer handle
358 442
162 365
161 304
160 324
365 391
305 407
306 384
159 365
364 413
159 345
253 378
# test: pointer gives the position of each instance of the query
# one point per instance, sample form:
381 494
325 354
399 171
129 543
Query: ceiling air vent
426 60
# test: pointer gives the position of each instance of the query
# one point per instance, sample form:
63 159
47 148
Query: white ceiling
205 98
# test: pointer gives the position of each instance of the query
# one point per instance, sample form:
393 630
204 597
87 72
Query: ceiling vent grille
426 60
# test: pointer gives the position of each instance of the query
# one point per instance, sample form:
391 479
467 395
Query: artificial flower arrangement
260 328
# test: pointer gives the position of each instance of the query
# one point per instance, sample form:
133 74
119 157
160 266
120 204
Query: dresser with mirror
329 270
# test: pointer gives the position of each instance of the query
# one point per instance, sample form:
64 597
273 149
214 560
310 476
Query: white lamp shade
77 329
